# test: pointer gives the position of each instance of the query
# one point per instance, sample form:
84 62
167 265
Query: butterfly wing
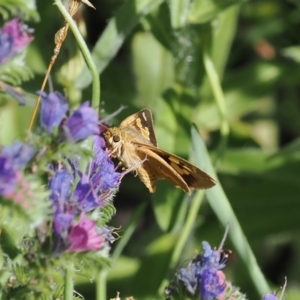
142 122
157 168
176 169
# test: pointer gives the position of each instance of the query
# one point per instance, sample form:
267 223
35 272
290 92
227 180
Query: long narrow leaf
223 210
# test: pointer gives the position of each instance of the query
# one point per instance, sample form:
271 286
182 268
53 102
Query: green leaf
263 185
205 10
24 8
224 212
179 10
115 34
155 74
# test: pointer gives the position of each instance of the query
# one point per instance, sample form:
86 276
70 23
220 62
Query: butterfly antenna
224 238
107 118
283 288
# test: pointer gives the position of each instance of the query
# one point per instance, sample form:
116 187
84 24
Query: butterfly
134 144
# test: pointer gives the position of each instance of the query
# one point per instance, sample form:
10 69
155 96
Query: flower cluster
71 200
203 275
82 123
73 194
13 38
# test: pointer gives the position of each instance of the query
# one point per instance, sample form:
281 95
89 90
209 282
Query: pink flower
83 236
13 39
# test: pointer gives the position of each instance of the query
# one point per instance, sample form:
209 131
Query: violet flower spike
203 273
13 39
53 110
82 123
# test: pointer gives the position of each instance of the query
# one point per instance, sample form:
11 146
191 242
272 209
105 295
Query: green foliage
216 64
15 71
24 8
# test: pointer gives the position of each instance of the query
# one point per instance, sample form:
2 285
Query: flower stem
187 228
85 52
101 285
130 227
69 285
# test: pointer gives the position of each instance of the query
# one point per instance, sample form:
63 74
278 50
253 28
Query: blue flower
8 176
84 195
211 258
82 123
103 174
188 277
13 39
203 273
20 153
62 222
53 110
212 283
60 186
271 296
12 159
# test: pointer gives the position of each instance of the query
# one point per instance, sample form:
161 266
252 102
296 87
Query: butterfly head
114 141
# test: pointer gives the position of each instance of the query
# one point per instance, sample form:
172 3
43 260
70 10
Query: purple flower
84 195
271 296
53 110
12 159
13 39
188 277
84 237
19 153
82 123
60 186
8 176
62 222
92 190
212 284
211 258
103 174
203 273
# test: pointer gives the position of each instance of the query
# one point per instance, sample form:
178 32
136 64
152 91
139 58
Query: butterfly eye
116 138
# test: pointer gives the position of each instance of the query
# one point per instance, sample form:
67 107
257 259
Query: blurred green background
150 55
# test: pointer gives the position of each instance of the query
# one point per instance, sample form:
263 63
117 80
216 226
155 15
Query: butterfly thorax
122 143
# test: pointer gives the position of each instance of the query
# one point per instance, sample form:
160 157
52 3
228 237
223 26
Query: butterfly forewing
142 122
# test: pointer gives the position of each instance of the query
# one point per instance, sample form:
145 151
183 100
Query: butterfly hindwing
158 166
190 174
